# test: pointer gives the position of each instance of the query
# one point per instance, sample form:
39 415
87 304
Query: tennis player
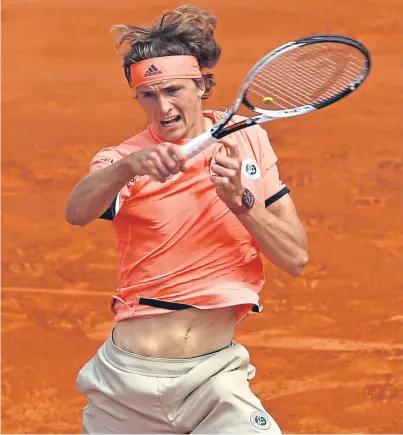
188 237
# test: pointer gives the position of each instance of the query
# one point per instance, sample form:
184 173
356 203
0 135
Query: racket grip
198 144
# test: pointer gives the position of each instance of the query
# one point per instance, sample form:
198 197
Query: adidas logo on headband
152 71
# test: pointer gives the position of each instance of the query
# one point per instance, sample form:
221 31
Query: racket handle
198 144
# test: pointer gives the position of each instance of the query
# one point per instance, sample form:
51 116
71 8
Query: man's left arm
274 226
278 232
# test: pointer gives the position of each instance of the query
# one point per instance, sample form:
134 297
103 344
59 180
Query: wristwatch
247 203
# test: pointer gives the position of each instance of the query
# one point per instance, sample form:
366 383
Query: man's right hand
159 162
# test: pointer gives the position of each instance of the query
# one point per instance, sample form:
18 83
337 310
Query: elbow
74 220
300 260
296 268
72 217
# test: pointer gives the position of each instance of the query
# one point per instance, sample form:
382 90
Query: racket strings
302 90
324 75
324 71
300 95
295 88
305 76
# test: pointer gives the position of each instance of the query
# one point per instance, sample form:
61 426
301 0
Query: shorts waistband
151 366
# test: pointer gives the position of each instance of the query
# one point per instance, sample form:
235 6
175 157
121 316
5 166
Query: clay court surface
328 346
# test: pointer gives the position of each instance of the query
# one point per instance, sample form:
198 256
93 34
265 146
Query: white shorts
133 394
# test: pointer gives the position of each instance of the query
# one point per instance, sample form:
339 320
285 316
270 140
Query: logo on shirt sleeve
250 169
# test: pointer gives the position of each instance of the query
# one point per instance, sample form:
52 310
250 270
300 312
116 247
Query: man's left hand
226 175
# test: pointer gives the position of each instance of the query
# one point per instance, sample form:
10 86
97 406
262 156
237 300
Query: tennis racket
298 77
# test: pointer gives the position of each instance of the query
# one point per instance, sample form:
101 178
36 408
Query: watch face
248 199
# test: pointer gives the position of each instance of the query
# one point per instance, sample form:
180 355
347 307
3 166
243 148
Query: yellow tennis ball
268 100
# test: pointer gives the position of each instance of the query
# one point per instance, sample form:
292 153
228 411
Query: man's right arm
95 193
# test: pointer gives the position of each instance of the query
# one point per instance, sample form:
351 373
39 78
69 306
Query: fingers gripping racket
297 78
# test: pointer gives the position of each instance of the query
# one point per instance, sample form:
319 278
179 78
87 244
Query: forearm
282 242
95 192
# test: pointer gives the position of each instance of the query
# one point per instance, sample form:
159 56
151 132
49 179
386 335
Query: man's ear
201 89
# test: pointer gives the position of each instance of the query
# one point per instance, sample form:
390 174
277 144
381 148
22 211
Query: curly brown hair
187 30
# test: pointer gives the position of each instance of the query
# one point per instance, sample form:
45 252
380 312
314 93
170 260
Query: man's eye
172 91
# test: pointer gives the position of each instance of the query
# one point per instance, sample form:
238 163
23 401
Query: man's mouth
169 122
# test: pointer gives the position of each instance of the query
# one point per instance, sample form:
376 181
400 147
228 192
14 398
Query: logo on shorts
152 71
106 159
260 420
250 169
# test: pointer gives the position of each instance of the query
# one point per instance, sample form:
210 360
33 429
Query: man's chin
172 136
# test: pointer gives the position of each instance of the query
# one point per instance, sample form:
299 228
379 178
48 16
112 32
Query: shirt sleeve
273 187
101 160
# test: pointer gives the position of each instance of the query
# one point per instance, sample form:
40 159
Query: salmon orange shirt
177 241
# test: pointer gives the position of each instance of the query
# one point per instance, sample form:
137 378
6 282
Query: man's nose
164 105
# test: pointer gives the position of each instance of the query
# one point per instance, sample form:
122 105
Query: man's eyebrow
165 86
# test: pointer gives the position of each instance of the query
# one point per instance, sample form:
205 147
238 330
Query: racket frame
220 130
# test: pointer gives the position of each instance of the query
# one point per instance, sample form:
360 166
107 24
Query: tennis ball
268 100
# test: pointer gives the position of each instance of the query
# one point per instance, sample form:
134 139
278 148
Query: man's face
173 107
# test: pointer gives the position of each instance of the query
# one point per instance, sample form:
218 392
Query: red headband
163 68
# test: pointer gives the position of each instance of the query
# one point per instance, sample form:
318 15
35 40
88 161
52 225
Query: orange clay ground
328 345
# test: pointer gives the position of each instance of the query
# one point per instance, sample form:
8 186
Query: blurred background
328 346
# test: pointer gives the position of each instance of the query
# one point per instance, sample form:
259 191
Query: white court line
53 291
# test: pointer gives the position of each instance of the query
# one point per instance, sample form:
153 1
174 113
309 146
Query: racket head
305 75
